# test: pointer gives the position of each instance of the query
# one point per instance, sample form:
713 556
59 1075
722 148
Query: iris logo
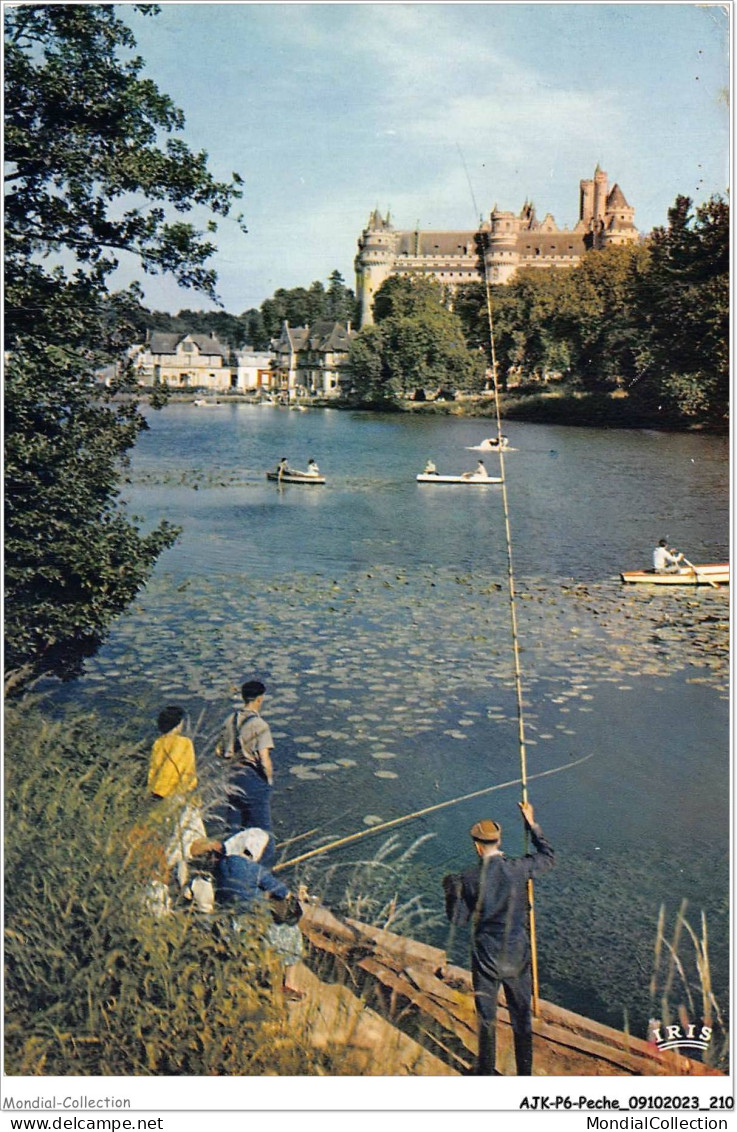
679 1037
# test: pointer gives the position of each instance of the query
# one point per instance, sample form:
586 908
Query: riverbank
555 406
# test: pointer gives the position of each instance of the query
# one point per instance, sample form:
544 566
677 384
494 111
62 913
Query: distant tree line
650 320
415 344
300 306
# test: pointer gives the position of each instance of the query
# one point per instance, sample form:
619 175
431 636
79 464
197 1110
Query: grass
96 982
685 979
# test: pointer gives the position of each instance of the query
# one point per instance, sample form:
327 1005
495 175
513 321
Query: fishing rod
353 837
524 778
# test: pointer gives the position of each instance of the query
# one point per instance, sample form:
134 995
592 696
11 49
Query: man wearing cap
493 896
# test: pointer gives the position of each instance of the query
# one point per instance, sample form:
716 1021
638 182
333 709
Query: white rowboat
426 477
709 574
295 476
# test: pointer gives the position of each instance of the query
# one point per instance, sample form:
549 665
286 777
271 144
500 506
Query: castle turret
374 261
501 256
586 207
601 191
619 220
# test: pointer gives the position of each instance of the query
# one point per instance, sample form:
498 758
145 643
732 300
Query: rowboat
397 1007
295 476
427 477
491 444
708 574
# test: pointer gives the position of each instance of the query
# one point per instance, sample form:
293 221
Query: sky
435 112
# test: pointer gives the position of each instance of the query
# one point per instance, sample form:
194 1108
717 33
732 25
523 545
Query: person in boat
243 884
247 742
479 472
282 467
429 469
666 560
492 895
312 468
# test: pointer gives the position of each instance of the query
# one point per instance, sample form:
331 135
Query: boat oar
705 577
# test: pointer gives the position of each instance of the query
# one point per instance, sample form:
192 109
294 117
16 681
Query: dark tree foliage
254 329
416 343
87 180
303 306
649 320
683 308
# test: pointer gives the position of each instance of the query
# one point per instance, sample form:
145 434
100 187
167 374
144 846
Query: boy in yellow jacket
173 776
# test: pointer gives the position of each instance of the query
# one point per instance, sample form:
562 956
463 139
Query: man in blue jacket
493 896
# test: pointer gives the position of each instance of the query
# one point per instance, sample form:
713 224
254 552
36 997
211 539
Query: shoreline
582 410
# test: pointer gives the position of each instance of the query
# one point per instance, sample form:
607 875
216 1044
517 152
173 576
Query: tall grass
681 988
95 982
383 890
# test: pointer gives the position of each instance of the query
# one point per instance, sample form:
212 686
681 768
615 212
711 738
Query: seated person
241 883
479 472
312 468
429 469
665 561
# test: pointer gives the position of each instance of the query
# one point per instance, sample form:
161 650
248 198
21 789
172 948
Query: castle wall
511 242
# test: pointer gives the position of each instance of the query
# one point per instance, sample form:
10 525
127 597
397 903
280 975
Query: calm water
376 611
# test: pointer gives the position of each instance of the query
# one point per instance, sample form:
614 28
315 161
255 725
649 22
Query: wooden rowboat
295 476
708 574
402 1009
426 477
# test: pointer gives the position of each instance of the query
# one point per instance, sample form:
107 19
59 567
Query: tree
683 311
416 342
596 315
88 180
304 306
340 303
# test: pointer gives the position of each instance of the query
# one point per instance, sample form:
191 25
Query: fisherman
666 560
312 468
493 896
246 740
172 781
242 883
429 469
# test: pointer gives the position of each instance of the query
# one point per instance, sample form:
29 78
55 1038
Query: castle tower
374 261
586 206
601 191
619 220
501 256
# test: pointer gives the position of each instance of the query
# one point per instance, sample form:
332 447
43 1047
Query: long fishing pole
352 837
513 616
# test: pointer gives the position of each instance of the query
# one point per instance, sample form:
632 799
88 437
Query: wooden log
407 950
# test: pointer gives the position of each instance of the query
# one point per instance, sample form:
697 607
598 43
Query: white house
253 371
183 361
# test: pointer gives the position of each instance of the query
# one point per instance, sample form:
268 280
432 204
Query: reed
381 890
96 982
685 979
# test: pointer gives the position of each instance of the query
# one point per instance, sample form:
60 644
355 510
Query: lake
376 611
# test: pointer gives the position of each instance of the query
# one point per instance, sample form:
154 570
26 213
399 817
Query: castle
509 242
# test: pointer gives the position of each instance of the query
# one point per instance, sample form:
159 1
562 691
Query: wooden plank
408 950
424 1004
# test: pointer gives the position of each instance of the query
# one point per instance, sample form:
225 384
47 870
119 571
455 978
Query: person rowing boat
479 472
666 560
